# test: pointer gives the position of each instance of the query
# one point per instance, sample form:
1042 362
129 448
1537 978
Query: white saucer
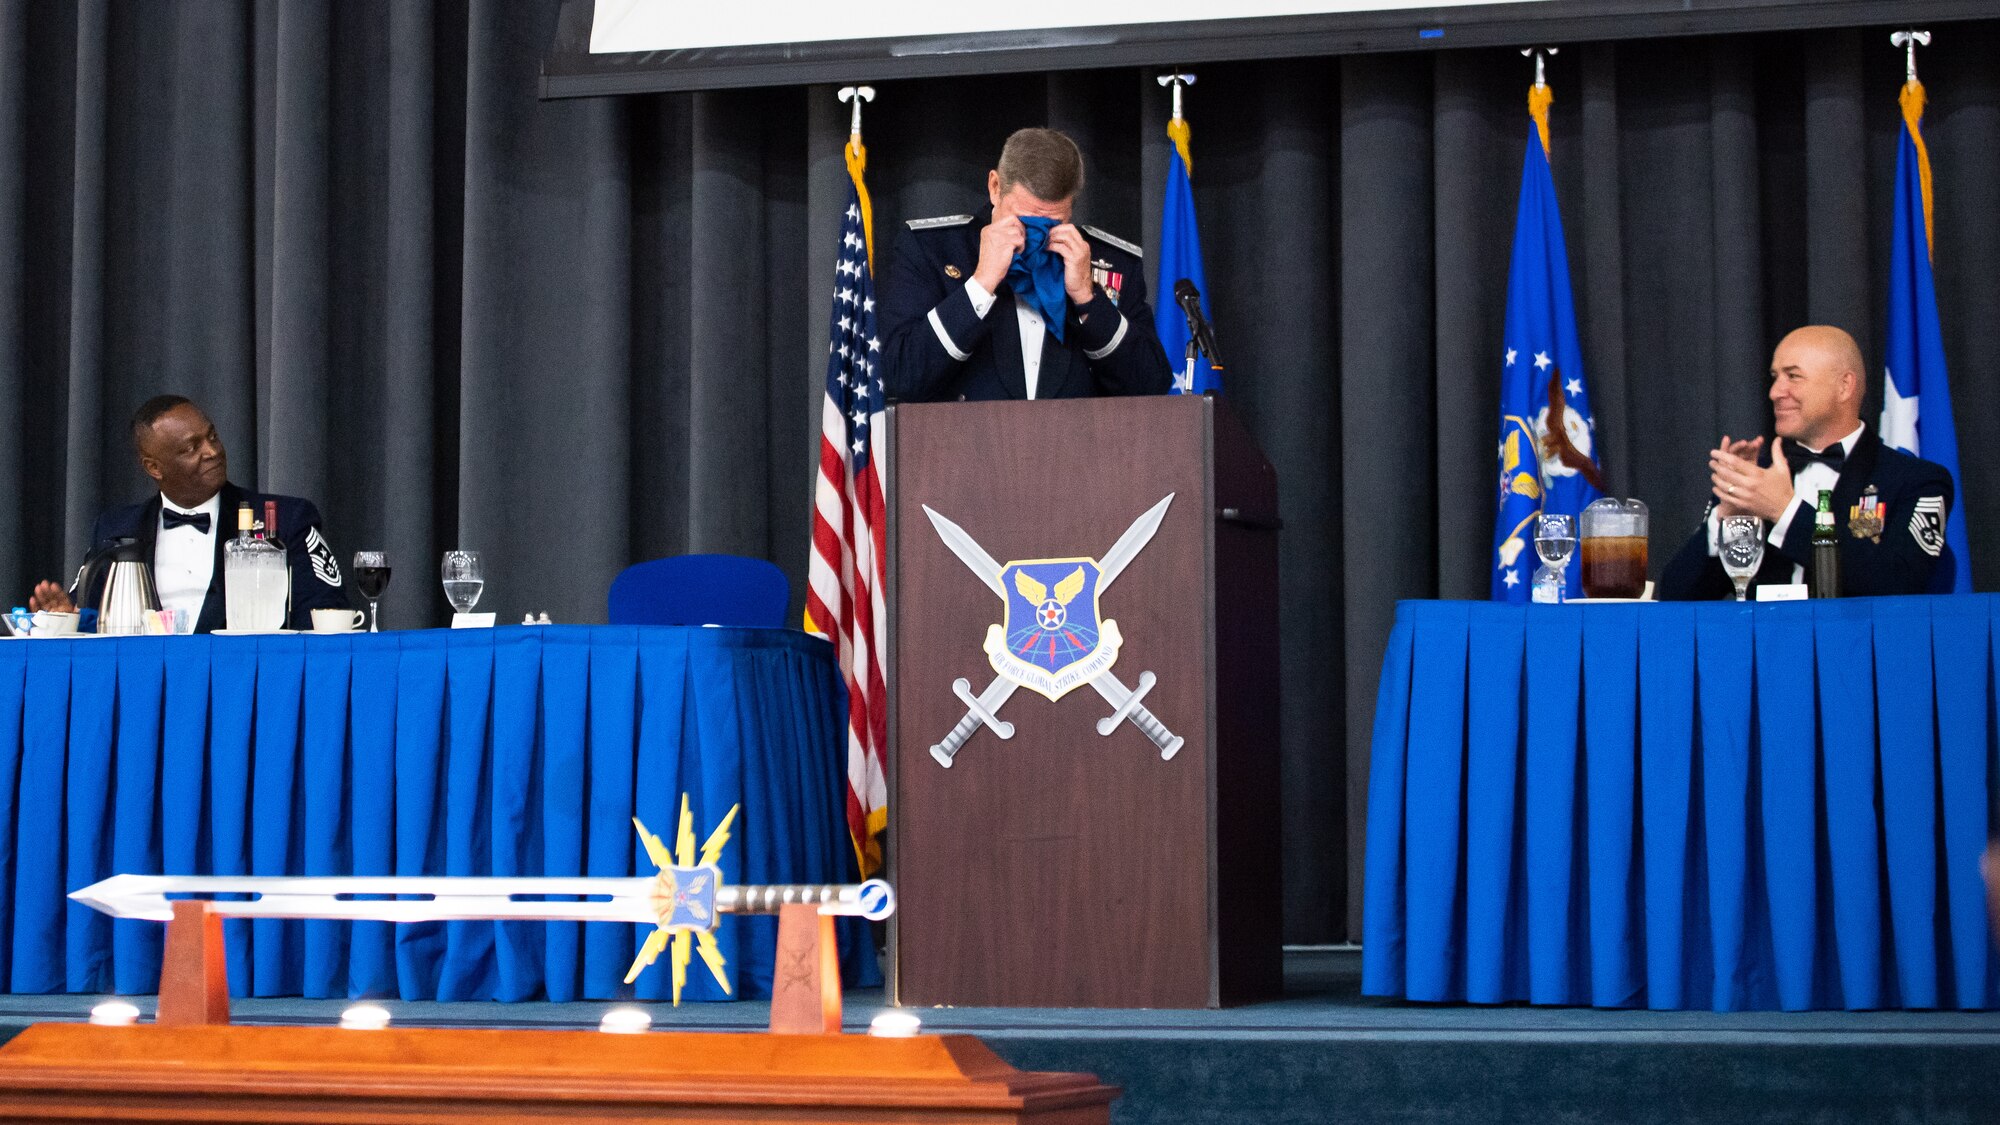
251 632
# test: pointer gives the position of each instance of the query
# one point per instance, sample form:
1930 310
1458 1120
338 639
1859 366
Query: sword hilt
874 899
1168 742
947 749
976 708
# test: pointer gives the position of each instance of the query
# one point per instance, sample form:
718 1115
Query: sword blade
447 897
970 552
1130 544
456 898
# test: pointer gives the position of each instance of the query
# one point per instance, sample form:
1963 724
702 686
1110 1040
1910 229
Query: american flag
845 576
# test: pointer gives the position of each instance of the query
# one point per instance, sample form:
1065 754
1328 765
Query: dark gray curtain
578 334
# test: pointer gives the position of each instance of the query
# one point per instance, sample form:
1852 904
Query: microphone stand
1201 339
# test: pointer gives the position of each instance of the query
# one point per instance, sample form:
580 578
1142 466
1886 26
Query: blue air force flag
1916 399
1180 257
1547 459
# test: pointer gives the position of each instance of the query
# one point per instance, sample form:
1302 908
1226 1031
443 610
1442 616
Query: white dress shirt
184 561
1028 320
1806 486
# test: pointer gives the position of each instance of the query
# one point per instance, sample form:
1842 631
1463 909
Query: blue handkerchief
1037 274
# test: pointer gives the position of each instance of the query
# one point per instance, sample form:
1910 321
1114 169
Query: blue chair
700 590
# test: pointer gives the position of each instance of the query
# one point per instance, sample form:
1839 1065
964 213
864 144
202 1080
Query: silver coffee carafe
118 583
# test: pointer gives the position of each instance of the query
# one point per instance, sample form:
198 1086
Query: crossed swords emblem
1127 704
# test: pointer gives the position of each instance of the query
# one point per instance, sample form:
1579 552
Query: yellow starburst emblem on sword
683 897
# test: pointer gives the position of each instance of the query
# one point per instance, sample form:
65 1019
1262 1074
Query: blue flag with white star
1916 399
1547 435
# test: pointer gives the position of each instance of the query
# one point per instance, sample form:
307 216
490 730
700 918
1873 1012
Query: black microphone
1189 299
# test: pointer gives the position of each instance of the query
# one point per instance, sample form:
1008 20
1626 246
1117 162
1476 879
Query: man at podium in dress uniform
1026 305
1889 507
182 528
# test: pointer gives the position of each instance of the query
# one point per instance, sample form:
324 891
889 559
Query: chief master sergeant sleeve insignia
1927 524
325 568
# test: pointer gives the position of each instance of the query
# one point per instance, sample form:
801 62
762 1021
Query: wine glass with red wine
371 575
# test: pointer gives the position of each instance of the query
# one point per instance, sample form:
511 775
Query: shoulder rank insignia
1107 279
939 221
1102 235
1864 520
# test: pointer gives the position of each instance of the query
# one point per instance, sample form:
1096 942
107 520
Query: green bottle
1825 550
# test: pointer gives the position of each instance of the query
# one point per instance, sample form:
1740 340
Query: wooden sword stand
190 1065
805 983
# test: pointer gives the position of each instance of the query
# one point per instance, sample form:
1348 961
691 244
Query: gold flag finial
1178 130
1540 95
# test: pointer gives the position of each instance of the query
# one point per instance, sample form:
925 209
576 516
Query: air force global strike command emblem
1051 638
1051 641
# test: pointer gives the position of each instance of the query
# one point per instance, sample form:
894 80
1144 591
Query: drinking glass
462 580
1555 542
371 577
1740 543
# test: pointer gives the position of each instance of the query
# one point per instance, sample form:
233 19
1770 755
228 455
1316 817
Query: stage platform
1325 1054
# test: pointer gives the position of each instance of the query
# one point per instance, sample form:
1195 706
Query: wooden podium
1061 867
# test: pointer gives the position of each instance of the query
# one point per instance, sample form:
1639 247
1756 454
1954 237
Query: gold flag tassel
1541 95
1912 100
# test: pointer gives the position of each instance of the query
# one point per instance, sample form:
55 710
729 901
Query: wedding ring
1729 489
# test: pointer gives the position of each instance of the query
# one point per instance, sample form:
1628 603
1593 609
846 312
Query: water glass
1555 542
463 581
1740 544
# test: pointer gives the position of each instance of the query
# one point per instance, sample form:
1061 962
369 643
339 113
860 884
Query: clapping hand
1743 487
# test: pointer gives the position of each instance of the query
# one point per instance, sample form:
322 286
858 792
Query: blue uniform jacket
1915 495
936 349
316 579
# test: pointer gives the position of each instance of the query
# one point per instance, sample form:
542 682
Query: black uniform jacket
1916 496
316 579
936 349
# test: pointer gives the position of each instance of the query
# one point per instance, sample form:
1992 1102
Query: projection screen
637 46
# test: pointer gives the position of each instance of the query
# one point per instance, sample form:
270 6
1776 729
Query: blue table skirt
1684 806
512 751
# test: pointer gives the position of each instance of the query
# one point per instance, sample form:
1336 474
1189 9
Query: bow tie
1798 456
170 519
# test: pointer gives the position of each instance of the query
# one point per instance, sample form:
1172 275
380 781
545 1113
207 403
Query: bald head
1817 385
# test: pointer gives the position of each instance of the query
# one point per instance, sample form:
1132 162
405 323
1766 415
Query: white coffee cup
54 623
338 620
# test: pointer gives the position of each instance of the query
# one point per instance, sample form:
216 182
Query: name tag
1788 592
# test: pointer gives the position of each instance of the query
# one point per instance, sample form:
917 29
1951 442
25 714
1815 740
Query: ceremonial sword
1126 703
452 898
684 899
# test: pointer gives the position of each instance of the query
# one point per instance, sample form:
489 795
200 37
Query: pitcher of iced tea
1613 546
